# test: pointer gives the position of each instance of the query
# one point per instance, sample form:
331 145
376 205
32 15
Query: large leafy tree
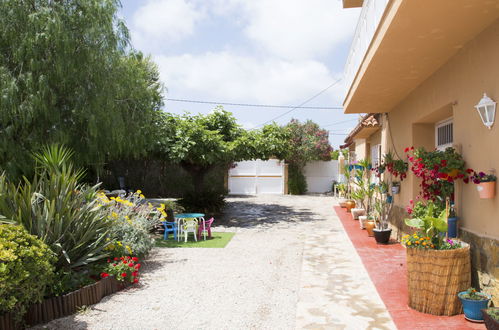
308 142
68 75
200 143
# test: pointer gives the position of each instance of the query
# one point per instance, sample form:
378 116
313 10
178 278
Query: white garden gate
257 177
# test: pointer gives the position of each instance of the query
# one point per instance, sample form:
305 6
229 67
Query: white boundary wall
320 175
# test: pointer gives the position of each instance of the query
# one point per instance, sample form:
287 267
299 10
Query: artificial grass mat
217 240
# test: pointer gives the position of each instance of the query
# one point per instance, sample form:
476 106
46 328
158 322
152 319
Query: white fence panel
320 175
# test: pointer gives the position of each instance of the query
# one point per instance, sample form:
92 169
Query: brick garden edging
56 307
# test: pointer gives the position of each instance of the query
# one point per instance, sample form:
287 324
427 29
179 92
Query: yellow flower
139 192
114 215
119 243
149 205
142 196
408 243
129 249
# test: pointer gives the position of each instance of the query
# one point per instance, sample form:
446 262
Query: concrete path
335 289
290 265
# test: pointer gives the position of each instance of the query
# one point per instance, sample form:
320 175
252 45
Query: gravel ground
253 283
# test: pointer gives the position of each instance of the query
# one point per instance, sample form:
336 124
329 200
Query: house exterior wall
360 149
453 91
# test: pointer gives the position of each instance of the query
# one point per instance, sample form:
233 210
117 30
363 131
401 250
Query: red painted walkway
386 266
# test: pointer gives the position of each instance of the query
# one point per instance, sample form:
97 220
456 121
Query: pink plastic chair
205 227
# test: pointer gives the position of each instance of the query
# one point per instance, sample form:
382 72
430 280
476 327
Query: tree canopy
69 75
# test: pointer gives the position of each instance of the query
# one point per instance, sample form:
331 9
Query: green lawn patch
218 240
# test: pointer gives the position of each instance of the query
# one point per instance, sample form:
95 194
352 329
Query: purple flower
450 241
476 181
481 174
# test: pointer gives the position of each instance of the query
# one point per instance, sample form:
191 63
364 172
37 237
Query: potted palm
437 268
359 197
473 303
383 207
364 189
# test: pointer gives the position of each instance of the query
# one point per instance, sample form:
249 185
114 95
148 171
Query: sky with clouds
279 52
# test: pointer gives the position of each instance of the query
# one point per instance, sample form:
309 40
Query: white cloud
160 21
228 77
293 28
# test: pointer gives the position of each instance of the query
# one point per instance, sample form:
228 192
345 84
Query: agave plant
59 209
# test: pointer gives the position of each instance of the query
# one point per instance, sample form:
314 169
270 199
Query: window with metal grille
376 155
444 136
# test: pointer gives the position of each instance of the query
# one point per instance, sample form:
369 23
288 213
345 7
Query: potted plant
359 197
486 184
383 207
397 167
491 318
364 189
342 189
473 303
395 187
437 268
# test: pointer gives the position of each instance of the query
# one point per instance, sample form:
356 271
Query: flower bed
68 304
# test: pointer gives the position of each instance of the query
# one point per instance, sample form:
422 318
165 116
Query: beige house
417 69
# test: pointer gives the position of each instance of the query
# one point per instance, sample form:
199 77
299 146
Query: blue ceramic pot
473 308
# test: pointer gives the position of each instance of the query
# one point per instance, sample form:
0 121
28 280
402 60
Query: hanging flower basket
435 277
486 190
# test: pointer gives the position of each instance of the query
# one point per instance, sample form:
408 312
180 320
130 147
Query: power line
301 104
253 105
339 122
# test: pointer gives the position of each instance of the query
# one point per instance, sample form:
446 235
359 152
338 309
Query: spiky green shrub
25 269
59 209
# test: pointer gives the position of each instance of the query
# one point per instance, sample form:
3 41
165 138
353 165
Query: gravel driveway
253 283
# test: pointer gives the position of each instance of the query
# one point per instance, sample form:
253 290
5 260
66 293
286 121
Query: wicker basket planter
56 307
435 277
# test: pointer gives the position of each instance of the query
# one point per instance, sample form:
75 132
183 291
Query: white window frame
441 124
376 147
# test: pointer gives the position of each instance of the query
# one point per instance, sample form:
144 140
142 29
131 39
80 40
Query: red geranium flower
123 274
406 149
130 264
116 258
135 280
137 266
135 259
135 273
104 275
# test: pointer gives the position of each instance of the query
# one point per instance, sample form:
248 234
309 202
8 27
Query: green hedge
26 269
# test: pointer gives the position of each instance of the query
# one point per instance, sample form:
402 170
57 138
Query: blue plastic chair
170 227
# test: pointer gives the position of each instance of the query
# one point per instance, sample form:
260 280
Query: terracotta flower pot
370 224
486 190
350 205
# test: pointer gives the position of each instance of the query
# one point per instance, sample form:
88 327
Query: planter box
68 304
435 277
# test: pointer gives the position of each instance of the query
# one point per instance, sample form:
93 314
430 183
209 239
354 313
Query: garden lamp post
487 110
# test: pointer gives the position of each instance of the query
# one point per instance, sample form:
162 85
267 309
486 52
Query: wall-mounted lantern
487 110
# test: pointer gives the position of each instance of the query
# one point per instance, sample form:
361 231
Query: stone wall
484 263
484 254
